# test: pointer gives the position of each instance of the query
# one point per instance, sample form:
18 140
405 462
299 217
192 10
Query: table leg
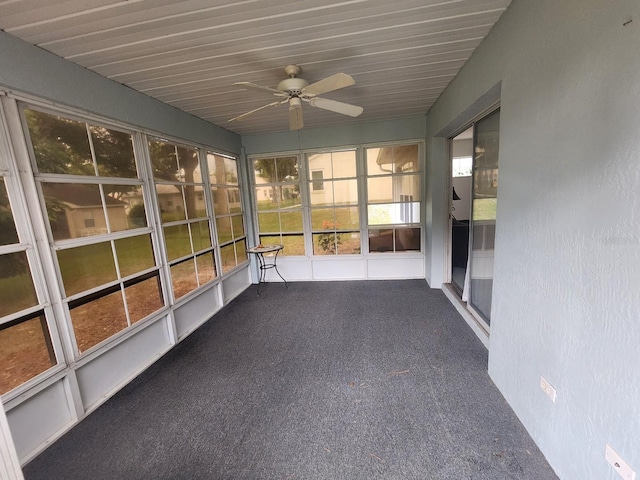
275 259
262 274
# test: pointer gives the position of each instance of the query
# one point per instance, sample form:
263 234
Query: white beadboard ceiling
401 53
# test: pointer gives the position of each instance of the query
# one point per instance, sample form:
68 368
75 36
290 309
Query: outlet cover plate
548 389
618 464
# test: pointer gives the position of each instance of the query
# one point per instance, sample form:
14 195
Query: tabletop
265 248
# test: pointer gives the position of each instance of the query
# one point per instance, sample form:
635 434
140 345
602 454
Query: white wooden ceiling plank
386 82
167 36
68 28
41 12
174 88
168 30
394 65
136 16
311 52
481 23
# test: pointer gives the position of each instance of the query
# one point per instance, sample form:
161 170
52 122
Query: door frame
483 107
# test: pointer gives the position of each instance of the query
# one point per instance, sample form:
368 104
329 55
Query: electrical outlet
618 464
548 389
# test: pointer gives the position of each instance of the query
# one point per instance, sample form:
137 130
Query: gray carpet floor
323 380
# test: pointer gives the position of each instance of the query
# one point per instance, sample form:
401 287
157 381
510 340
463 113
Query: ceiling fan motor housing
293 86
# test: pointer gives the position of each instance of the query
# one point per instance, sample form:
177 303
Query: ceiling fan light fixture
295 102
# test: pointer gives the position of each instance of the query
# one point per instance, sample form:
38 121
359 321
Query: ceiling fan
295 90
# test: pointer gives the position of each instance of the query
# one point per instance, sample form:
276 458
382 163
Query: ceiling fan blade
338 107
329 84
262 88
295 114
273 104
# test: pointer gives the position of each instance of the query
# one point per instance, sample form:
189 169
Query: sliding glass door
484 202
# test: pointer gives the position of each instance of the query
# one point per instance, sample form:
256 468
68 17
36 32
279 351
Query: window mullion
152 211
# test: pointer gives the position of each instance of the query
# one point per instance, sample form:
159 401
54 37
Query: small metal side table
259 252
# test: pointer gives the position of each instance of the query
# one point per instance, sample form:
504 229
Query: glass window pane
224 229
394 213
269 222
16 285
215 164
347 218
118 208
143 298
74 210
273 170
484 209
171 203
380 189
135 254
134 206
86 267
323 219
163 160
238 226
183 278
397 188
345 192
324 243
235 203
405 158
376 162
97 320
485 183
8 232
201 235
206 267
177 241
348 243
407 239
264 170
114 153
194 199
487 142
228 257
317 183
220 200
396 159
288 196
241 251
291 221
267 198
321 193
380 214
381 240
407 188
344 164
60 145
320 162
461 166
230 171
293 244
188 165
286 169
25 351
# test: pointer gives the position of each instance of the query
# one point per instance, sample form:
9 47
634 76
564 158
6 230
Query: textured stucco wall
397 129
566 301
